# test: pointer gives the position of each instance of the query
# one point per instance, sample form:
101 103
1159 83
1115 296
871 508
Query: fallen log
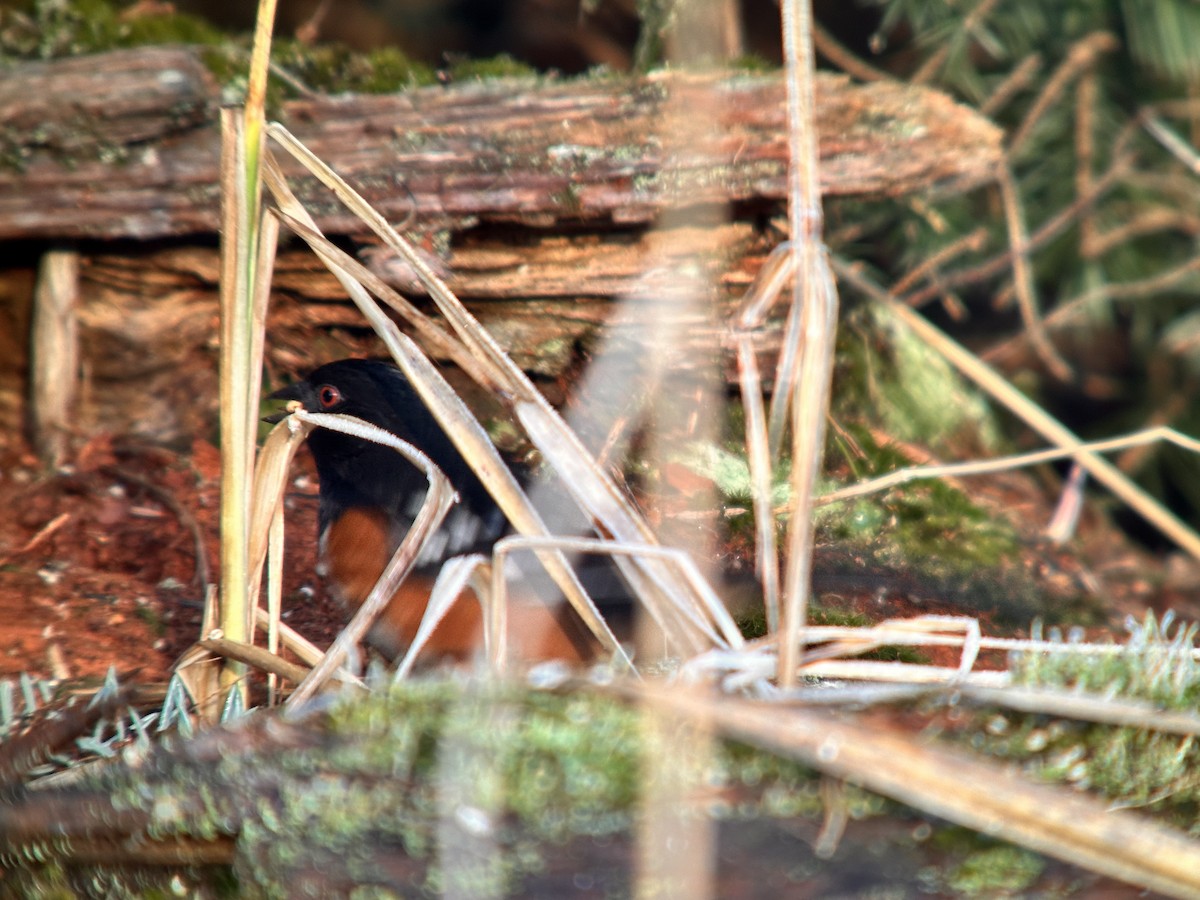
124 144
544 201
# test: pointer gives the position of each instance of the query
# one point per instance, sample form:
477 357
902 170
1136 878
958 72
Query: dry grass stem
812 324
900 673
430 333
247 259
988 797
274 595
750 670
433 510
560 447
775 275
266 528
708 623
458 574
758 451
270 482
238 253
1155 435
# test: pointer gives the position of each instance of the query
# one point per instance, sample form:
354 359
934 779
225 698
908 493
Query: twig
968 243
1023 279
255 656
1082 56
1085 154
1162 218
1138 289
1043 235
46 530
929 68
834 51
1018 79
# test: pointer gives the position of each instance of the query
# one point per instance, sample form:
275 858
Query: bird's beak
291 393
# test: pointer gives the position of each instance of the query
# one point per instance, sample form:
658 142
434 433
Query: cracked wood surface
125 145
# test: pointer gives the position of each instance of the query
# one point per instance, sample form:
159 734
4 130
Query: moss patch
369 793
1132 766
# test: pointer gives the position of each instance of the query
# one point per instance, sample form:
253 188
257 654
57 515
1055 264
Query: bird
368 498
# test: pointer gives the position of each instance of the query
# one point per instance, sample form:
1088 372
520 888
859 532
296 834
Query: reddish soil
103 562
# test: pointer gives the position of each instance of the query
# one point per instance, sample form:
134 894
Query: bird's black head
370 389
357 472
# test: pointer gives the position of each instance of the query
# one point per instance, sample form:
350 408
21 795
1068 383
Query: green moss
927 535
1158 666
752 63
502 66
727 467
48 29
332 68
991 870
369 789
45 29
889 376
928 527
1132 766
935 534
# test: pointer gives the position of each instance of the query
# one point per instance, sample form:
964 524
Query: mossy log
543 201
427 788
124 144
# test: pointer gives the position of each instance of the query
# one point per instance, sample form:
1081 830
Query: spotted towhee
369 497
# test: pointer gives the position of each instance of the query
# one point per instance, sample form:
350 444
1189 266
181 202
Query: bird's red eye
328 396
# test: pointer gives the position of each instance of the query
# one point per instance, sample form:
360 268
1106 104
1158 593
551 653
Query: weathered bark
124 144
148 318
537 195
